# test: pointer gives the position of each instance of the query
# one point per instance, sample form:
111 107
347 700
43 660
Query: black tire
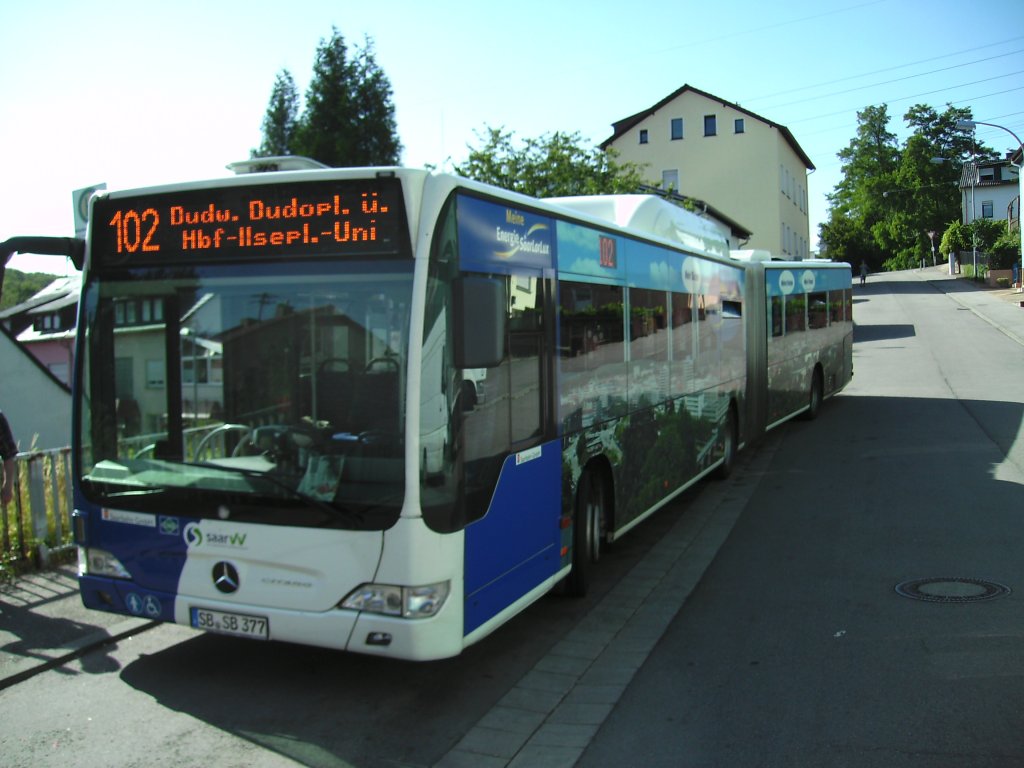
587 522
816 396
730 447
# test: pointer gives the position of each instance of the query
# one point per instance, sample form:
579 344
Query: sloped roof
623 126
61 288
970 173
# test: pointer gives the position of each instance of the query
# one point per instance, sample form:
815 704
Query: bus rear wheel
588 521
816 396
730 445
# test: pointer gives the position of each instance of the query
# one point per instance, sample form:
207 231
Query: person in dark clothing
8 450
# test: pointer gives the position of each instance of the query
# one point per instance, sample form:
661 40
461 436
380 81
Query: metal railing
36 525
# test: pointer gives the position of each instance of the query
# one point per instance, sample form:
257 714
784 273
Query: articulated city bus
385 410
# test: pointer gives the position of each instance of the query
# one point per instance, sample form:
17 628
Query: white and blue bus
385 410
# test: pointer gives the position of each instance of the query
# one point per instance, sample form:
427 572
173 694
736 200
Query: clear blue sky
138 93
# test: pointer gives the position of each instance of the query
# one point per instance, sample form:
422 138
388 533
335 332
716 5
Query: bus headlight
99 562
407 602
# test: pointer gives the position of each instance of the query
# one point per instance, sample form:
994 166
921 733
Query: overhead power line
901 79
881 71
926 93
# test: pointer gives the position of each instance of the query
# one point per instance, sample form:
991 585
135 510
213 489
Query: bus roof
651 215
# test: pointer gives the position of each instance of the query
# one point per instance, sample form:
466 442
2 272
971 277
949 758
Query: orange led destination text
259 224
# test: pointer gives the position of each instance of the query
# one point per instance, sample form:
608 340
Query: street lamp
970 125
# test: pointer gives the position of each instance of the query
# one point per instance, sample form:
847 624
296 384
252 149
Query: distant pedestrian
8 450
863 272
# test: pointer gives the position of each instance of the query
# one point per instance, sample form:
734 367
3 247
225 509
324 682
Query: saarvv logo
195 537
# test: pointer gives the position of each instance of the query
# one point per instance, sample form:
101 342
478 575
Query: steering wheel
390 362
223 429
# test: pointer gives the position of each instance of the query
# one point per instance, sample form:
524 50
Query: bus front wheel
588 521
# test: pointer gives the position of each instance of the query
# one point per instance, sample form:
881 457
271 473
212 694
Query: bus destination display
342 218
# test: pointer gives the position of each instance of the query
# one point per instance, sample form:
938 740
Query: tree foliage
281 119
552 165
349 116
21 286
892 196
991 236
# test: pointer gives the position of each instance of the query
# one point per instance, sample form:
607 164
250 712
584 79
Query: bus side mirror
480 315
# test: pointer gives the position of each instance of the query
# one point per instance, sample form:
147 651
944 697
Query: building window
155 374
643 135
986 209
677 128
739 126
670 180
710 125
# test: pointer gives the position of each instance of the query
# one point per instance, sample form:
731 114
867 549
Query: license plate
237 624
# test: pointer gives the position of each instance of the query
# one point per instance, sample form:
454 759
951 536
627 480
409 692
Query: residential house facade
35 402
37 341
990 189
45 325
748 167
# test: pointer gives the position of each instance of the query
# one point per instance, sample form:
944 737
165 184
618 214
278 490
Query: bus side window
776 317
817 310
592 359
480 321
525 346
796 312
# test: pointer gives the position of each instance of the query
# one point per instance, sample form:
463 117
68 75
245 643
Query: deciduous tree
892 196
552 165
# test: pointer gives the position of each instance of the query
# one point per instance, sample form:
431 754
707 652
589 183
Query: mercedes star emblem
225 577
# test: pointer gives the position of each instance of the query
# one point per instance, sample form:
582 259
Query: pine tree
349 117
281 119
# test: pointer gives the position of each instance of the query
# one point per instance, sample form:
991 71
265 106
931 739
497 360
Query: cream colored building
750 168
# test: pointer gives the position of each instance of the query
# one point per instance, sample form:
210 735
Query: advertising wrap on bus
493 237
783 281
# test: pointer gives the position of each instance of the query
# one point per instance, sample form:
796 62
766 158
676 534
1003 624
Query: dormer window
47 323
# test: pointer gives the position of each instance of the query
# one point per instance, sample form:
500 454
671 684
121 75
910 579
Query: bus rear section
806 338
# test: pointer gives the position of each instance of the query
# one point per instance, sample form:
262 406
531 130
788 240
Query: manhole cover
951 590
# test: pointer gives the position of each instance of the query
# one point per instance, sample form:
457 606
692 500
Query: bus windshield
261 392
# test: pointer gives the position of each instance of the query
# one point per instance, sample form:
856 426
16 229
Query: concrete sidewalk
999 307
43 624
